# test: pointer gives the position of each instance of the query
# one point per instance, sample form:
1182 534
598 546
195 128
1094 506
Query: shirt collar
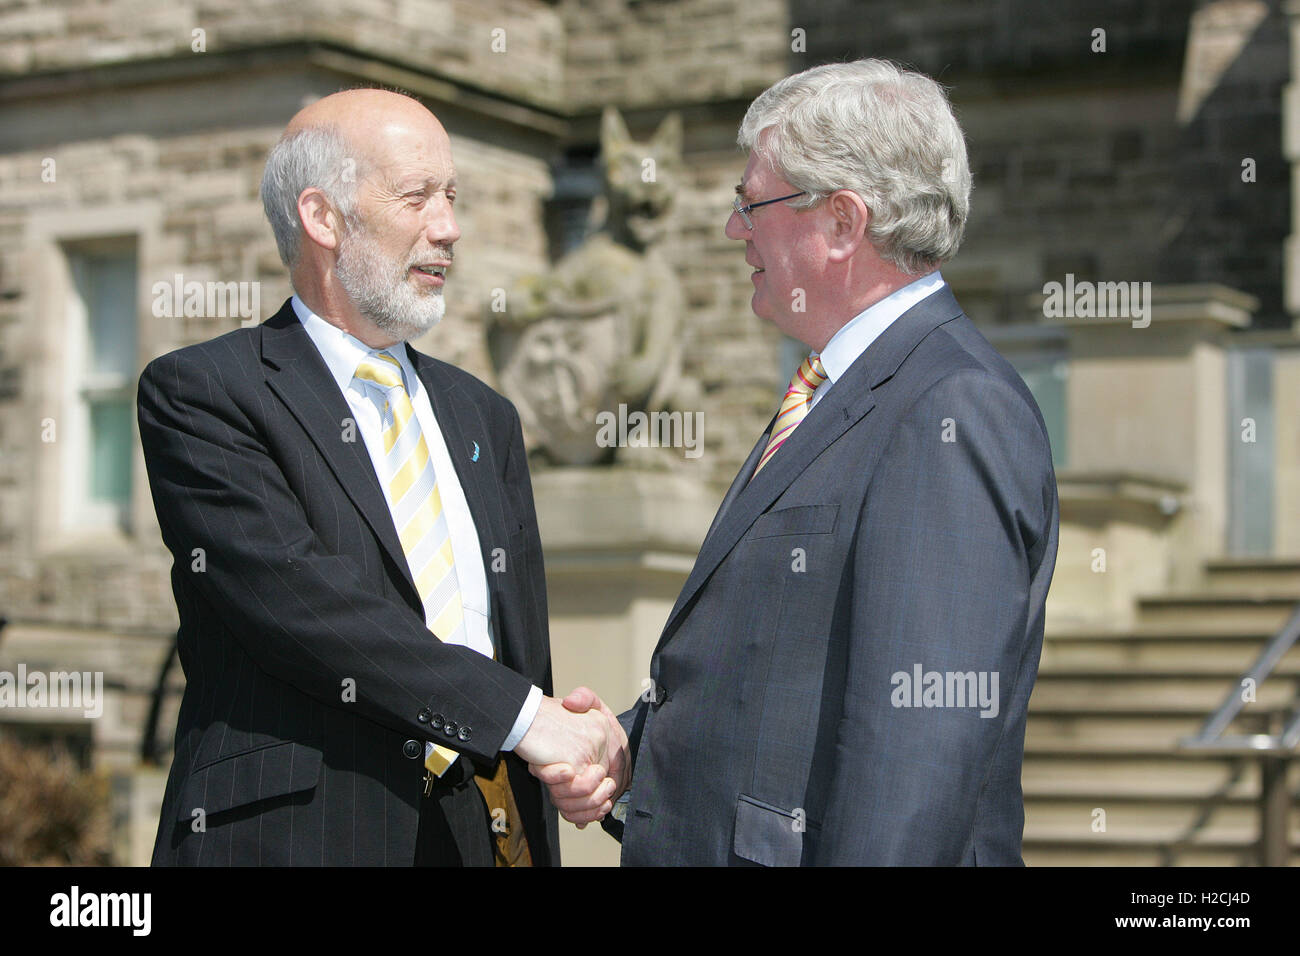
343 352
858 333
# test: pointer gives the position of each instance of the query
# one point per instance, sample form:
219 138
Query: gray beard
389 301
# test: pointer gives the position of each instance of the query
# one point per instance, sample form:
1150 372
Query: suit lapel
460 434
844 405
832 416
298 375
742 478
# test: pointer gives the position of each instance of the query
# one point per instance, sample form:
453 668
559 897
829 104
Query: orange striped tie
807 377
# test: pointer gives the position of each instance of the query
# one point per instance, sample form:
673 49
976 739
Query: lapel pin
475 458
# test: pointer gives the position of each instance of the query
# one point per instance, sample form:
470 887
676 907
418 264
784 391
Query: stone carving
602 329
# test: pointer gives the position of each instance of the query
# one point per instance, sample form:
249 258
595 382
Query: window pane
110 463
1045 374
108 290
1250 451
102 343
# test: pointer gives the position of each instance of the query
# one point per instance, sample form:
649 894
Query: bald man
357 567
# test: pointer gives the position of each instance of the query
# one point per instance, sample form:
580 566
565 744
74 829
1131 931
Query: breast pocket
801 519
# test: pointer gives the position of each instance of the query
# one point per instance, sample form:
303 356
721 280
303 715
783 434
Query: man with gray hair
360 689
845 676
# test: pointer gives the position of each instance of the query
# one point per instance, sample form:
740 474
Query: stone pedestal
618 545
137 797
1118 532
1148 450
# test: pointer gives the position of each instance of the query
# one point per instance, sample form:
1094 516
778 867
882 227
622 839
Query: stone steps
1048 847
1213 653
1195 613
1137 692
1252 575
1149 813
1110 709
1147 731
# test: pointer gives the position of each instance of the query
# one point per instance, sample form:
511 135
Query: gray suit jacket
817 686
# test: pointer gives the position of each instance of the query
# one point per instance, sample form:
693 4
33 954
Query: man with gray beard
360 690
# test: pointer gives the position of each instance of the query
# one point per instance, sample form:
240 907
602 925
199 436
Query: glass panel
1045 374
108 286
105 341
110 457
1250 452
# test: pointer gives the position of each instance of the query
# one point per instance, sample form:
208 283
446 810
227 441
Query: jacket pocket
802 519
248 777
768 835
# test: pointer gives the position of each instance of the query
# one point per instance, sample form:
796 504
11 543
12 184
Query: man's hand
578 740
585 795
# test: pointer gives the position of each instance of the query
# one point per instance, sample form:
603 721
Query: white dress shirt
864 328
342 354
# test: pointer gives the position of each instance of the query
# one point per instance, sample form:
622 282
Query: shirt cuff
525 719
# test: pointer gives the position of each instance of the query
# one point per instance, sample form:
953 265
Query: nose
735 228
441 229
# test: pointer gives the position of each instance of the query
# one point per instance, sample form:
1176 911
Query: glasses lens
739 206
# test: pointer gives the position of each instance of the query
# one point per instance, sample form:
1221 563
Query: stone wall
1088 160
205 222
1003 38
656 53
513 47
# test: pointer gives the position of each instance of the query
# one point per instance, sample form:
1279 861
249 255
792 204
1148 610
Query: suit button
450 728
463 734
436 721
412 749
424 716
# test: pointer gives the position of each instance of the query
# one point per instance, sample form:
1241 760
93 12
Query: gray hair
314 156
885 133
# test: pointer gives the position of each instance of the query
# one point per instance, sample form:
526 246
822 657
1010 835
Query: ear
848 219
669 135
613 131
321 222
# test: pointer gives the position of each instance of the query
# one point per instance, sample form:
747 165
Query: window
1047 373
99 390
1251 467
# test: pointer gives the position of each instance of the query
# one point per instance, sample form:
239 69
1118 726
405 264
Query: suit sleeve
628 721
304 615
956 518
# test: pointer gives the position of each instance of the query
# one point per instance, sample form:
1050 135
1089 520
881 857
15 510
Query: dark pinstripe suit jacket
311 679
910 519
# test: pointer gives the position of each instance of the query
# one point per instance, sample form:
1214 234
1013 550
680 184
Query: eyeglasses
744 209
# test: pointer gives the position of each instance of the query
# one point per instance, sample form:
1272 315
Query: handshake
578 749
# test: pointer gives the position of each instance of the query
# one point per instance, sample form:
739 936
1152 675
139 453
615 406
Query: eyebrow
740 190
422 185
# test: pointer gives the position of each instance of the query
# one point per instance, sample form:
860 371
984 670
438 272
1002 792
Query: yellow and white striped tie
418 514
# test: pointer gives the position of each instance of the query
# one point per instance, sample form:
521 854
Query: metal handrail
1273 750
1209 737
